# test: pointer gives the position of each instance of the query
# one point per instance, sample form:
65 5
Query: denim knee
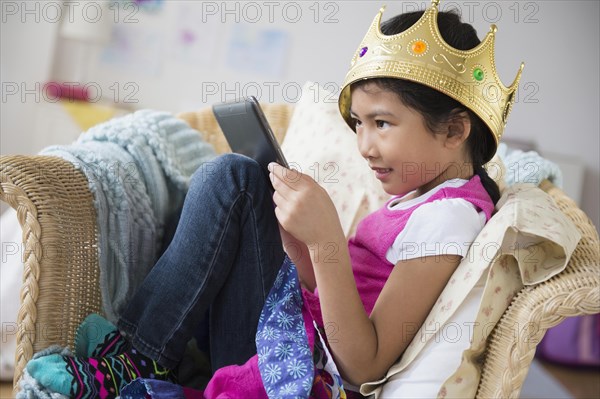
241 169
236 162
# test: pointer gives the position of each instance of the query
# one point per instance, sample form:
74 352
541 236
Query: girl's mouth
382 173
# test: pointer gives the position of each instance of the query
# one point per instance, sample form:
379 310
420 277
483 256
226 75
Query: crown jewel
421 55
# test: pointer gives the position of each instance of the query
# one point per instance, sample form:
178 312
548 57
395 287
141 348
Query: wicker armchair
60 287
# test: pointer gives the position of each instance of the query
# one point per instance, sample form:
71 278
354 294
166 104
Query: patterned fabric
99 377
104 377
284 353
113 344
97 337
327 382
293 355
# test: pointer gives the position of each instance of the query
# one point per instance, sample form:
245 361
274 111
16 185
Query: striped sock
95 377
97 337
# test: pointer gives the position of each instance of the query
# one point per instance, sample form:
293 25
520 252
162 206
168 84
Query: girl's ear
459 129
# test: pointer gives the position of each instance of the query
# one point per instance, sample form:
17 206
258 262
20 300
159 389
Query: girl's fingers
278 198
286 176
280 188
278 214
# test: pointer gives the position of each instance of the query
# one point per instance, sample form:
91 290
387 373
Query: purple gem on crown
363 51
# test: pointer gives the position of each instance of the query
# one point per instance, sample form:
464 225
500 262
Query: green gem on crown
478 74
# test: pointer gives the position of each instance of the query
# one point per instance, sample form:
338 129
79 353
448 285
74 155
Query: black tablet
248 132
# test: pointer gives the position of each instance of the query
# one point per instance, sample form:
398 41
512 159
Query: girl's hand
303 208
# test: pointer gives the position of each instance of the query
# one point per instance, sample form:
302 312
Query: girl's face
396 143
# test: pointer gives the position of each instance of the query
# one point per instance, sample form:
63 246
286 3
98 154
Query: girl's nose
366 145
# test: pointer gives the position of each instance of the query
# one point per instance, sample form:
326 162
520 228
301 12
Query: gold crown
421 55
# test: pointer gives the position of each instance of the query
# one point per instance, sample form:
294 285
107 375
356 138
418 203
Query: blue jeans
222 260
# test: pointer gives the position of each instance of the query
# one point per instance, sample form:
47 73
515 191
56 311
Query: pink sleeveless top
377 232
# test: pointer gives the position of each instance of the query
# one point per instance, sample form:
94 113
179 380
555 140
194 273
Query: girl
427 149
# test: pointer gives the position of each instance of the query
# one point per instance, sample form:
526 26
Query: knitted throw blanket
528 167
138 167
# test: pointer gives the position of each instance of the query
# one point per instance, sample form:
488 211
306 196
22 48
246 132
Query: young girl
425 146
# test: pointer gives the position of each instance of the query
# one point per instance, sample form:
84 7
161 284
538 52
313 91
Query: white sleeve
442 227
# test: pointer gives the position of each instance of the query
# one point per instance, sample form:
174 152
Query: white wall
557 109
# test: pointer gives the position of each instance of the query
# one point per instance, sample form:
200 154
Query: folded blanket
138 167
528 167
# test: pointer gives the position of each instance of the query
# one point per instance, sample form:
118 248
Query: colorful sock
101 377
97 337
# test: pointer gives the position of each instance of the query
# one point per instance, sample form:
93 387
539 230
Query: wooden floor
6 390
582 384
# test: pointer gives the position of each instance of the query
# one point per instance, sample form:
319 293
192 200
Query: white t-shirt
424 235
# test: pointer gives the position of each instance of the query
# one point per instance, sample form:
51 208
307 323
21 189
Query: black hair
435 107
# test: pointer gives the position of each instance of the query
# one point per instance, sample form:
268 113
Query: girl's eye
356 122
381 124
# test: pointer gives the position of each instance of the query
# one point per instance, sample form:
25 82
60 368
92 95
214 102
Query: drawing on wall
192 41
255 50
135 48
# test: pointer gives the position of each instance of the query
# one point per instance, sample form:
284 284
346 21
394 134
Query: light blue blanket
138 167
528 167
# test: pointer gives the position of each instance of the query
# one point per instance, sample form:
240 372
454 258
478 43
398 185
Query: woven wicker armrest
537 308
60 283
